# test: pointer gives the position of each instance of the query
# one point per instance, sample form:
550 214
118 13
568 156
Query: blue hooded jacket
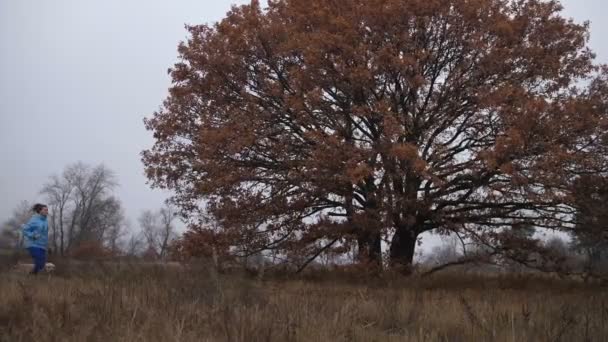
36 232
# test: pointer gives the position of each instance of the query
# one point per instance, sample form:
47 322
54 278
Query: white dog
49 267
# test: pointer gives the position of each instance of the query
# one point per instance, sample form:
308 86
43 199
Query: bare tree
112 224
91 186
83 208
58 192
10 229
135 245
158 229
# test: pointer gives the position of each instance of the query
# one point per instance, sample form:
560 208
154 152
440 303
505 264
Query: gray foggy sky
78 76
76 79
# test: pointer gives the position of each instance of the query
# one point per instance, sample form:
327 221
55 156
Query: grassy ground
138 304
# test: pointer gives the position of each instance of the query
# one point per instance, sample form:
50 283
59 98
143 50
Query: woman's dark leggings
39 256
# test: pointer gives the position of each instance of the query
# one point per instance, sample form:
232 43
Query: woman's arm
30 229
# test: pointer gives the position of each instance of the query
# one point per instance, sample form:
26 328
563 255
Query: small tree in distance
159 231
10 231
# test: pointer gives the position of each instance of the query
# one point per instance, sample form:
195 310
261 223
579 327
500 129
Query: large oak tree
313 125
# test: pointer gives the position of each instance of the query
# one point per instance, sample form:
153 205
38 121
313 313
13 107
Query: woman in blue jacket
36 236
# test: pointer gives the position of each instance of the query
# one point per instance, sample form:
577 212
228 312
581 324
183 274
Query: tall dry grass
150 304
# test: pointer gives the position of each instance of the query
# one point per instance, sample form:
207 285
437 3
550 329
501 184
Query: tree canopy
319 126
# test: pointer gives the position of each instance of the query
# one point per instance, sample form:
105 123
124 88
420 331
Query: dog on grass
49 267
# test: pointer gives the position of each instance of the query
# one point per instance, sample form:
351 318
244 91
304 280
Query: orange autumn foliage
459 115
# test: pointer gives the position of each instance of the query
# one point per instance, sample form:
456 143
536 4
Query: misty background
77 77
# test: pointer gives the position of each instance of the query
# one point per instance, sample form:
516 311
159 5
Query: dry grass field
135 303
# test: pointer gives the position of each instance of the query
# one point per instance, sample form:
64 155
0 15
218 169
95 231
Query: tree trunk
54 231
61 232
62 242
402 248
370 249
